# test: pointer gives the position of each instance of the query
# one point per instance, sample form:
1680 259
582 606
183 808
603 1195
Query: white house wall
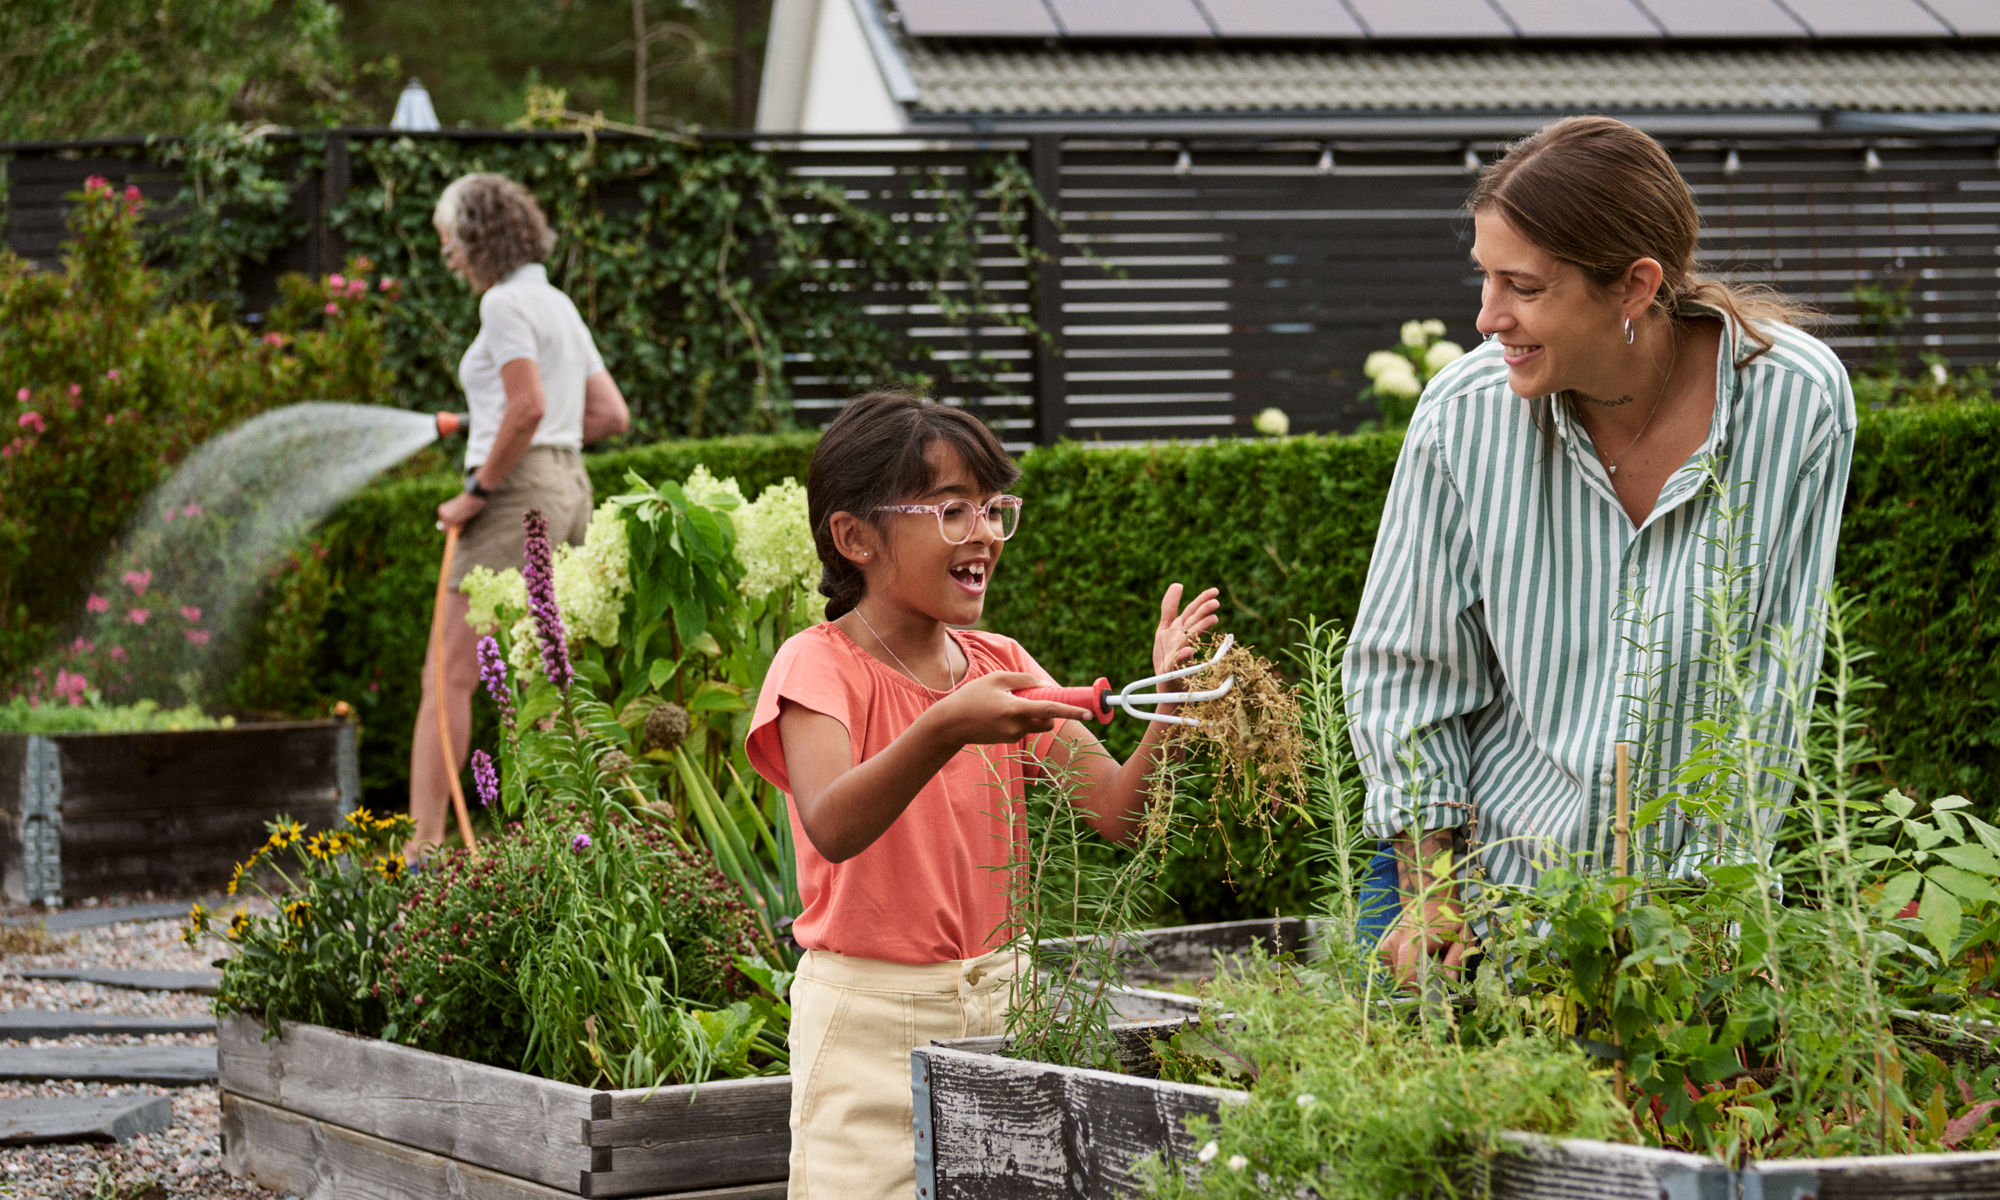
821 73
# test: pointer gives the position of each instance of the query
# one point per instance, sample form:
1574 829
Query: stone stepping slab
203 982
169 1065
37 1120
65 919
20 1024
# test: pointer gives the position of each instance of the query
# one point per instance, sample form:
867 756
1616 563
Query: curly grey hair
495 227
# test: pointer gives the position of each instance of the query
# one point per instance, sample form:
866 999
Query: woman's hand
985 711
1431 928
1432 922
1173 641
459 510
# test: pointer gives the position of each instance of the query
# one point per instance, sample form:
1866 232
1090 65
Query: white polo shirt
523 316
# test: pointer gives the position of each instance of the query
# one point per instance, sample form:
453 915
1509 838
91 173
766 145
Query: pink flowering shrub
111 385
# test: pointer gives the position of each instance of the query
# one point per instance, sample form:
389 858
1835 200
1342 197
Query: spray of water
173 604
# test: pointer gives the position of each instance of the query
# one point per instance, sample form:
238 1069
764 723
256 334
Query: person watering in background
1568 497
896 734
536 393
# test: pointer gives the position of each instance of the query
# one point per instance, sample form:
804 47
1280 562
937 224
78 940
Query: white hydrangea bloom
1272 422
592 580
1383 360
706 490
1413 334
1442 355
774 541
493 596
524 649
1434 328
1401 383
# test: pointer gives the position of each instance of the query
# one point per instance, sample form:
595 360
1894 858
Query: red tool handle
1096 697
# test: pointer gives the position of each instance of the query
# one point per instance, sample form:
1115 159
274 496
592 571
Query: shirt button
1605 778
1632 572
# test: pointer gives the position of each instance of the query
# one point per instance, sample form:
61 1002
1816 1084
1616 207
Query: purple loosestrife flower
580 843
539 574
485 778
493 673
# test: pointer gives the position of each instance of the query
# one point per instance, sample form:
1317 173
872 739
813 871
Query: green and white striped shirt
1515 625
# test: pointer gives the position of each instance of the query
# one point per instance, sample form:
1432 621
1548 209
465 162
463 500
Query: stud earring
1628 331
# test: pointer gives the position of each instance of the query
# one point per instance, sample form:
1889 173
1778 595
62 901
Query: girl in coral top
897 735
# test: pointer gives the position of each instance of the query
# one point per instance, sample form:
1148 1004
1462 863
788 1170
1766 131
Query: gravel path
183 1160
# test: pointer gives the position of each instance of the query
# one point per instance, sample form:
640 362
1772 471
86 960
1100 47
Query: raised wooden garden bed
93 814
326 1114
990 1127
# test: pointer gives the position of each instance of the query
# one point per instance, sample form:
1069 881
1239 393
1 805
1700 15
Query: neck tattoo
1611 460
948 672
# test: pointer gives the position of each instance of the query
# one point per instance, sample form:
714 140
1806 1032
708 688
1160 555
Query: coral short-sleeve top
934 887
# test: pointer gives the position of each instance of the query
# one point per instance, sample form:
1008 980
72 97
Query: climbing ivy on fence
704 270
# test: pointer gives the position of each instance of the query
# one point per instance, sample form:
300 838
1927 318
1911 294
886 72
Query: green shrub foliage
1285 528
109 383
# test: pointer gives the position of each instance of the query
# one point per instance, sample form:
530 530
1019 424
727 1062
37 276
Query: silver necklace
948 672
1611 460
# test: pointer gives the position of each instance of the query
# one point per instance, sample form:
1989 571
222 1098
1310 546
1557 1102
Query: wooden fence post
1045 241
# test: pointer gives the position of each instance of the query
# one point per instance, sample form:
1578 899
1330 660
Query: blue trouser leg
1381 897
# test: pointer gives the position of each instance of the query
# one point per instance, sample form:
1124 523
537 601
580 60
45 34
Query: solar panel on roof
1969 18
1282 18
1578 18
1867 18
1122 18
1431 18
976 18
1725 19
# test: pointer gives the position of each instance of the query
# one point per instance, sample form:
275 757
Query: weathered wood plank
1877 1177
1189 951
727 1131
324 1161
20 1024
506 1121
1573 1169
42 1120
1008 1129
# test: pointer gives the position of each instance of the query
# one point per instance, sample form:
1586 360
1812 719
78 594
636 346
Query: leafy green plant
113 384
89 714
319 956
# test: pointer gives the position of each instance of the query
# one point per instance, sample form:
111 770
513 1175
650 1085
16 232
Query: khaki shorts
547 478
854 1023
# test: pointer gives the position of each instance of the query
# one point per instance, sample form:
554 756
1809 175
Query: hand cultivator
1099 697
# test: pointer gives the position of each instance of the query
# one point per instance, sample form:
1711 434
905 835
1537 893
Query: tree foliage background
141 67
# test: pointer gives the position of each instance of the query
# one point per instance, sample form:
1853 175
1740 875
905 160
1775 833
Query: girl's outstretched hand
985 711
1173 641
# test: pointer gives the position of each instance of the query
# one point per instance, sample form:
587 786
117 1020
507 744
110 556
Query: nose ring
1487 337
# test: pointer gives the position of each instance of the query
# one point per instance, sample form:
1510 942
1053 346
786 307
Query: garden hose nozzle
449 423
1099 698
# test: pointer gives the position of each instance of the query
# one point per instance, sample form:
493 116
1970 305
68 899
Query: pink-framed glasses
957 518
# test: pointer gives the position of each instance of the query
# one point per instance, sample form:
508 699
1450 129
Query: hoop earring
1628 331
1487 337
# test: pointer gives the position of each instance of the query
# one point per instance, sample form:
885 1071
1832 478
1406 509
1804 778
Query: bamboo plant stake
1621 847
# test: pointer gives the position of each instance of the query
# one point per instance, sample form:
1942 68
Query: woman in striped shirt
1569 499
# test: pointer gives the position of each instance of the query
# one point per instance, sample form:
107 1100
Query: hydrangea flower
1442 355
774 541
1272 422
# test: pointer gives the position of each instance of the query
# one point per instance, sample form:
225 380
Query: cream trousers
854 1023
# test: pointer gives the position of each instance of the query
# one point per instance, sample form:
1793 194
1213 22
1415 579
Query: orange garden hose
437 683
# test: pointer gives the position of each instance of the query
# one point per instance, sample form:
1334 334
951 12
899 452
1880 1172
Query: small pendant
1611 468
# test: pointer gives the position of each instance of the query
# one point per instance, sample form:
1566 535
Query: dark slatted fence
1185 286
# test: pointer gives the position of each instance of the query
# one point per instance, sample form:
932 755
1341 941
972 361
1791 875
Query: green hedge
1285 529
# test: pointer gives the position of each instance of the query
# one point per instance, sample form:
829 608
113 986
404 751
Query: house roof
975 81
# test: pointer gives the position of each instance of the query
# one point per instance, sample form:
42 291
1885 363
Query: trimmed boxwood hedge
1285 529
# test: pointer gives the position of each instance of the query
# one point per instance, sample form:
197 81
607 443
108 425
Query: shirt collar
1728 384
528 273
